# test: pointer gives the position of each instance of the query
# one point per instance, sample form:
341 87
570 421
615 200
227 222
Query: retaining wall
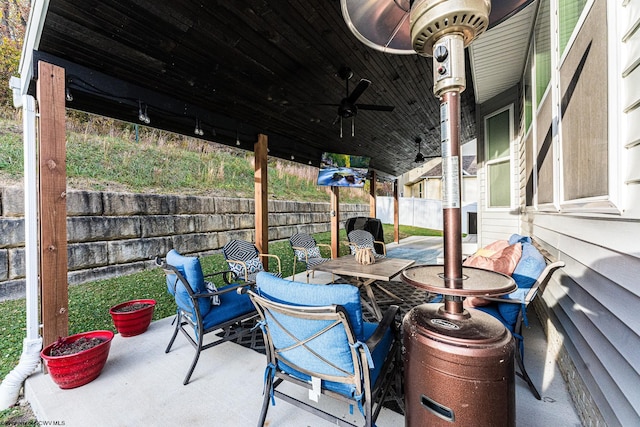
112 234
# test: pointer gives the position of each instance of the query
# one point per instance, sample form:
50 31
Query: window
584 114
528 95
542 39
569 12
498 156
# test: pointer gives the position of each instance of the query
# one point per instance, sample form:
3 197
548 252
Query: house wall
432 188
111 234
589 309
425 213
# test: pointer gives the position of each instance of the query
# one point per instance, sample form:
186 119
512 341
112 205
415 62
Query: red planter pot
75 370
130 323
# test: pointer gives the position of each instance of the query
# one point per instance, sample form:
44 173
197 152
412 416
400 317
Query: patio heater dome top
432 19
412 26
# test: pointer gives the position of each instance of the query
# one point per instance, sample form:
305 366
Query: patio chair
531 275
245 260
196 316
372 225
359 239
315 338
307 250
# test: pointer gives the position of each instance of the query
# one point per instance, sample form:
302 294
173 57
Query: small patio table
363 276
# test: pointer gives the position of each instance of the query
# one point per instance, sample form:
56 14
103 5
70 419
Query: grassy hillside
102 156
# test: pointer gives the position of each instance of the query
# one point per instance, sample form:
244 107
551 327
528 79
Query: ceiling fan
348 108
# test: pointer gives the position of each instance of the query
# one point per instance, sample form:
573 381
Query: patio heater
458 363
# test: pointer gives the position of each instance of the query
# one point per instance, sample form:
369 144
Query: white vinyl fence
425 213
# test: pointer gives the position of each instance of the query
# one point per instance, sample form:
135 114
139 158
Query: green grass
166 164
89 303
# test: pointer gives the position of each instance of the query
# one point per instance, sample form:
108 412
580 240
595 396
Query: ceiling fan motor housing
442 29
346 110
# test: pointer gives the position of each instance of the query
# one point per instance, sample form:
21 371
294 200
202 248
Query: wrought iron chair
359 239
531 275
196 315
307 250
315 338
245 260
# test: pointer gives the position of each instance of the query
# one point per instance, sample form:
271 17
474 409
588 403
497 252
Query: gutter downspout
32 344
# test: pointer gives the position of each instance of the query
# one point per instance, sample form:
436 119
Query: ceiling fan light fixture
142 114
419 157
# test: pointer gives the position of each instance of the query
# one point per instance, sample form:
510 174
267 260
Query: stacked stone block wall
112 234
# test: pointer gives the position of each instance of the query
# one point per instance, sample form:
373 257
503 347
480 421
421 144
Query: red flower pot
135 322
74 370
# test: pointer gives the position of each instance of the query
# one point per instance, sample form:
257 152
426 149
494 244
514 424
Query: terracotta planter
75 370
130 323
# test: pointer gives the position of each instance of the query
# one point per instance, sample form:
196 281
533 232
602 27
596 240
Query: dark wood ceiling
243 68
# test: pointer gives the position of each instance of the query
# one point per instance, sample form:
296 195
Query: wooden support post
396 213
372 194
261 198
335 221
52 203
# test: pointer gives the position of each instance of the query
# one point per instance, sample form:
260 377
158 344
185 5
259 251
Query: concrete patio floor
142 386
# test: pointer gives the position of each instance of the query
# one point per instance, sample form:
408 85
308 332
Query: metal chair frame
296 241
185 323
536 289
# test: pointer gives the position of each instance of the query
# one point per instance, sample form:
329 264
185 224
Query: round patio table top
475 281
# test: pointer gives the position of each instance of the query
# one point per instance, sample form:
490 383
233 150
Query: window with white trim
498 132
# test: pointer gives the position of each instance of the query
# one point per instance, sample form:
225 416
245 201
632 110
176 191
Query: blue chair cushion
231 305
191 269
492 309
527 271
333 344
298 293
531 264
378 356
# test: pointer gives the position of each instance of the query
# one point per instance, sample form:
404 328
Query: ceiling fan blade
375 107
362 86
325 104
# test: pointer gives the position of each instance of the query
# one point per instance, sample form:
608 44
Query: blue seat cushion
298 293
527 271
492 309
231 305
378 356
531 263
191 269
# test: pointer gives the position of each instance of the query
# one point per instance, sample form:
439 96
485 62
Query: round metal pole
450 128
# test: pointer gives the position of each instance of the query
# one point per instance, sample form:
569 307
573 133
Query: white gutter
31 42
32 344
